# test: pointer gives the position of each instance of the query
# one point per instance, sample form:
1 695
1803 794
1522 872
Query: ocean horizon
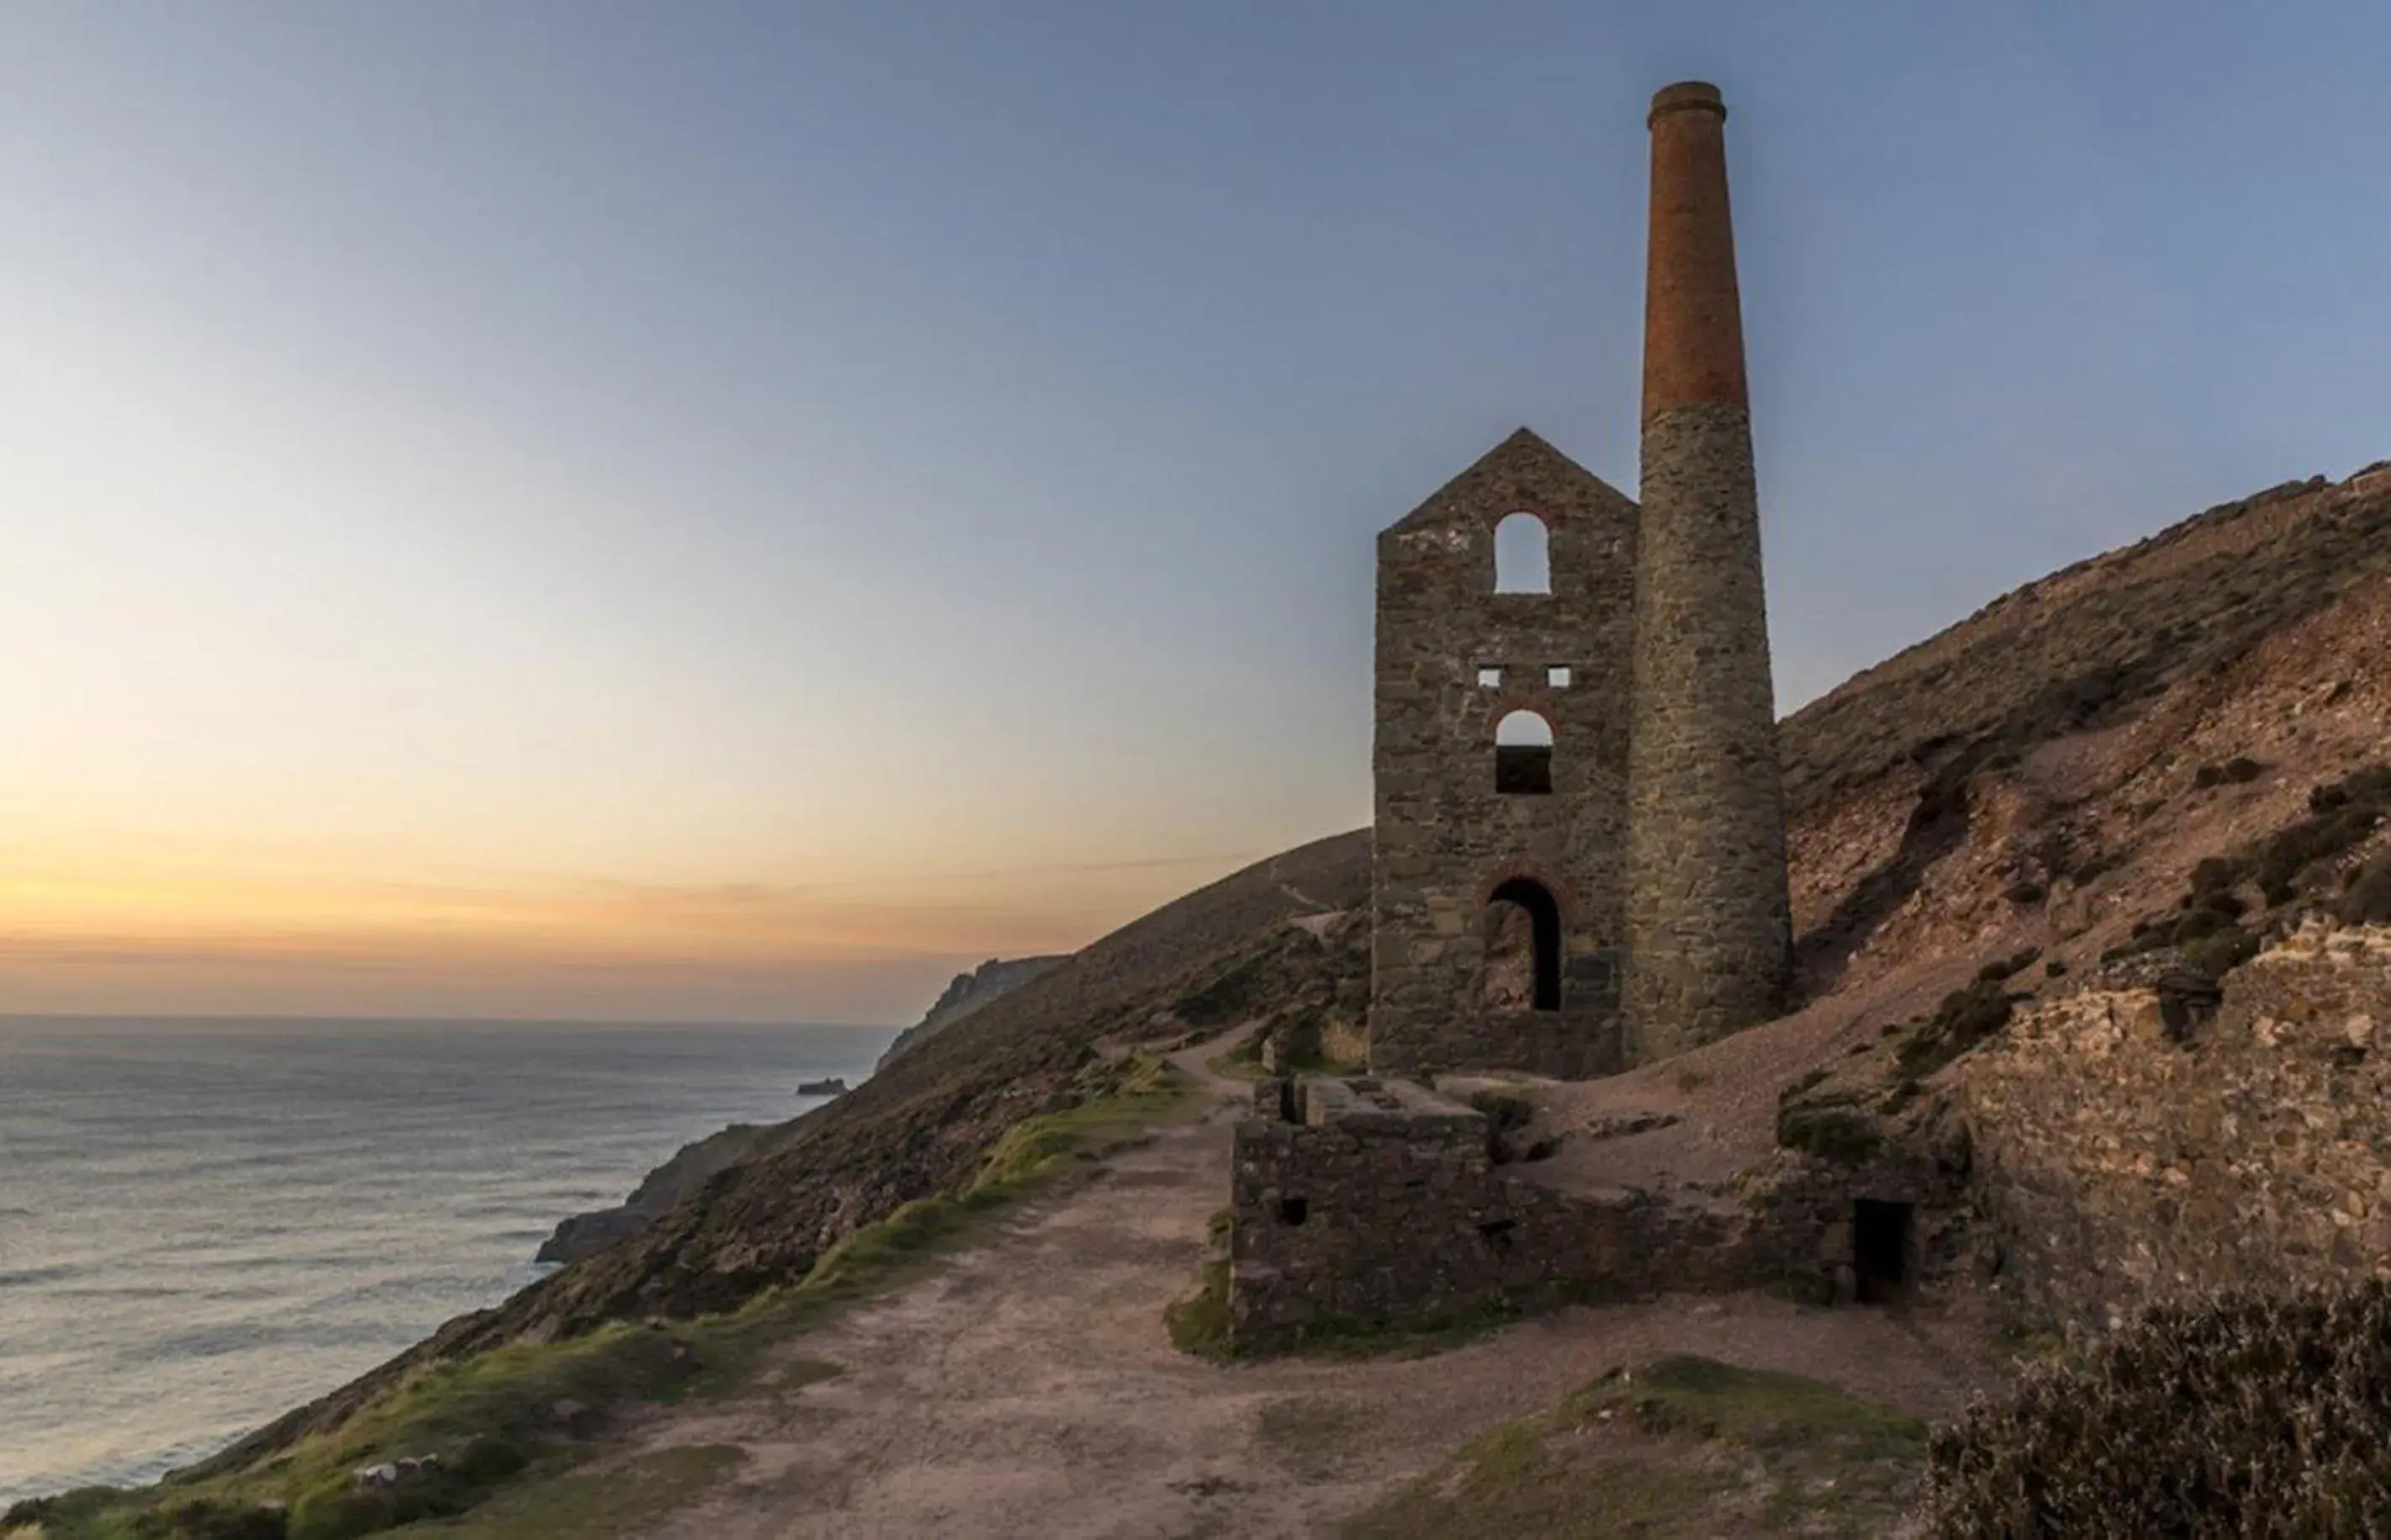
208 1220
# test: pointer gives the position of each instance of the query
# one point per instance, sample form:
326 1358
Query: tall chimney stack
1709 918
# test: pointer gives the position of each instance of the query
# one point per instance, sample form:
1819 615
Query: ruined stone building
1580 837
1578 862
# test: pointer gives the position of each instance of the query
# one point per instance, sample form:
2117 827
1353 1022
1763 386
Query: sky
737 512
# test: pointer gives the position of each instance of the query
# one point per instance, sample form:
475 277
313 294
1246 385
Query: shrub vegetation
2246 1414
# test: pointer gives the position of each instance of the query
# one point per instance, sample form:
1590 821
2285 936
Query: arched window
1523 948
1522 558
1523 755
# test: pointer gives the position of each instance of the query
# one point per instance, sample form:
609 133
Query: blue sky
837 491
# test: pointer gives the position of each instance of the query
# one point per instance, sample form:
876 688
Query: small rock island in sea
834 1086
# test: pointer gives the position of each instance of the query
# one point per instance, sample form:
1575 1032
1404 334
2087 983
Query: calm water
203 1225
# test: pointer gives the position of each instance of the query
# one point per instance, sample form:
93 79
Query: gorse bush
2249 1415
2368 899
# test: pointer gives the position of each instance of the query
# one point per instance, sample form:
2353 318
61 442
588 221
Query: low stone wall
1365 1204
2125 1152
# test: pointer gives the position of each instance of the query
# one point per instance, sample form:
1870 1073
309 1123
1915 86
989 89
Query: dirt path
1030 1388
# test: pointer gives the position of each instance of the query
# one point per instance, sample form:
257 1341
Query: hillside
926 1121
966 992
2025 778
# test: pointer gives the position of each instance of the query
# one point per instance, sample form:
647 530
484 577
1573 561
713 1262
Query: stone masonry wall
1709 919
1369 1204
2121 1159
1444 837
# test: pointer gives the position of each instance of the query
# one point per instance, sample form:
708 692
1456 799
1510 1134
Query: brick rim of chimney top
1687 95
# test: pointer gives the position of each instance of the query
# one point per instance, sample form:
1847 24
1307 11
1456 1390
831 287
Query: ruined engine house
1578 856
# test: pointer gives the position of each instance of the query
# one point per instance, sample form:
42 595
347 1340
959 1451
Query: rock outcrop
690 1168
967 992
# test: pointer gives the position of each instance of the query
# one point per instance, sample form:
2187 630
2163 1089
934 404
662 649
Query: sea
204 1223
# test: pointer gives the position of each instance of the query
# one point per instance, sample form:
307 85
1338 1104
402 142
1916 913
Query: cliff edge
967 992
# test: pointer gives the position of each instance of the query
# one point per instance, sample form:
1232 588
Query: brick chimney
1709 919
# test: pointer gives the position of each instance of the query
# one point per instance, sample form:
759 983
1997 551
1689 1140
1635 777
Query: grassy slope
921 1127
2085 643
1682 1446
535 1423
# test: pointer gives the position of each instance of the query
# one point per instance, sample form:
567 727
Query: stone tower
1498 889
1708 920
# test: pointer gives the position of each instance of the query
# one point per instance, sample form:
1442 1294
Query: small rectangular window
1557 676
1488 677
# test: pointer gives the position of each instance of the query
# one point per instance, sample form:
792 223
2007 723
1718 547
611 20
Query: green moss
110 1513
1762 1407
1505 1110
1966 1018
1036 1152
1830 1130
621 1499
1681 1448
1199 1321
1414 1339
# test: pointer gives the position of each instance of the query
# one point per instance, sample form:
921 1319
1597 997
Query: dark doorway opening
1519 900
1880 1245
1293 1211
1523 769
1523 755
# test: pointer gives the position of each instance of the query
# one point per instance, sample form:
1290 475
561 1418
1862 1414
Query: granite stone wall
1708 917
1371 1204
2125 1150
1444 838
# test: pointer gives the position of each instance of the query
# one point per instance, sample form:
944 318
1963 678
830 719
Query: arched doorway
1523 947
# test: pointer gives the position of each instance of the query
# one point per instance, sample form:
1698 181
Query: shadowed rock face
696 1163
991 980
691 1166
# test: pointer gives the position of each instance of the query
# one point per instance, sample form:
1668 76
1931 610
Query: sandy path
1030 1388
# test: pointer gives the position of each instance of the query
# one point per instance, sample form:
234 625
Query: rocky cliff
678 1179
967 992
